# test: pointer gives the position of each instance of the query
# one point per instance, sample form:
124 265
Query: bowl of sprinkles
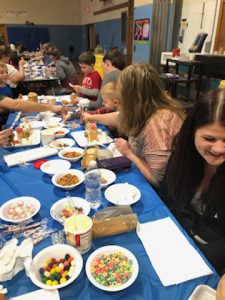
55 267
112 268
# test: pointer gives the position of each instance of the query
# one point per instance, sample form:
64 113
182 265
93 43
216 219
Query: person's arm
220 294
125 149
109 119
28 106
89 92
60 72
19 74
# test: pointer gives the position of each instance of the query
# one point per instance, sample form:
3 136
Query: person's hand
66 117
6 137
77 88
22 62
220 294
123 147
59 109
85 117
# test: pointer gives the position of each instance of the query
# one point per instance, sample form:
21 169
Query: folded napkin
14 258
174 259
39 295
28 155
114 150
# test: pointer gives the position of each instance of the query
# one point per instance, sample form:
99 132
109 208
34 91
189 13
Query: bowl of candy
61 132
56 266
20 209
68 180
63 209
71 154
112 268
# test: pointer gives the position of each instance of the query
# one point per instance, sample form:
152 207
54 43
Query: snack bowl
54 166
36 124
129 271
61 132
56 252
62 143
62 209
46 115
20 209
68 154
68 181
29 119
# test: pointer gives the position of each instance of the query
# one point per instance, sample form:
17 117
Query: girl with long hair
148 117
194 183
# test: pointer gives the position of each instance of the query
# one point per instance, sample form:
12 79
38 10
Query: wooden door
91 36
130 31
220 32
3 34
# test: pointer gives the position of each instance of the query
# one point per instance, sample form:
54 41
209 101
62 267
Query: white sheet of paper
39 295
29 155
174 259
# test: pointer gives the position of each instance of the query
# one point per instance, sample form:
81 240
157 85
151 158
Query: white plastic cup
47 136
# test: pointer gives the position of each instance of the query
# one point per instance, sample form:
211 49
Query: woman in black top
194 184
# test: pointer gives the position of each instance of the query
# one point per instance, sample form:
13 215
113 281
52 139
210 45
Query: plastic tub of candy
103 272
55 267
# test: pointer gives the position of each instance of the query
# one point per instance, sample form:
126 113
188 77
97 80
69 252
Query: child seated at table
194 186
92 80
5 88
110 102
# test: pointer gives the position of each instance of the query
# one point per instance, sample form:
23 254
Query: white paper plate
108 250
203 292
108 175
82 141
58 143
122 194
25 200
54 166
33 140
56 251
56 209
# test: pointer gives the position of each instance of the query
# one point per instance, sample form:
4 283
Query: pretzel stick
16 119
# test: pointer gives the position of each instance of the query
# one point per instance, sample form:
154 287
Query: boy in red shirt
92 80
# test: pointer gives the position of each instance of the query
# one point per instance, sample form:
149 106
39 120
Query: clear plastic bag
113 220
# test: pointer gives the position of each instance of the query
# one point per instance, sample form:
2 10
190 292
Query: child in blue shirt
5 88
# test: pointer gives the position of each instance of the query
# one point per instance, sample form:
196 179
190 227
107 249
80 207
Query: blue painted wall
109 33
141 51
62 36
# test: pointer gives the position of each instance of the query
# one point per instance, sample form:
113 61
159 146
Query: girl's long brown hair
141 95
185 169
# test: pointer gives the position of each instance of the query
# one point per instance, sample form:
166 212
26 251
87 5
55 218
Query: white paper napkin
14 258
174 259
39 295
28 155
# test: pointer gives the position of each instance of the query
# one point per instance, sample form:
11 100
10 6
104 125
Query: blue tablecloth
15 182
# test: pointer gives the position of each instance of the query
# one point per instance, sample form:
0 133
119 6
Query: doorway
130 31
91 36
3 35
220 33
